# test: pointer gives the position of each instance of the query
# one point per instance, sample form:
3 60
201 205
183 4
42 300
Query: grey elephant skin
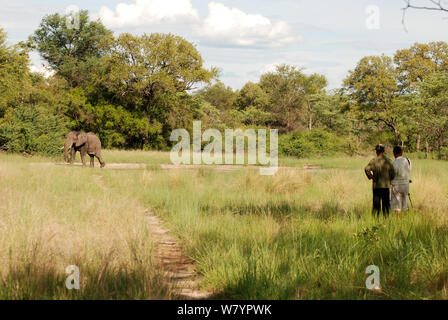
84 143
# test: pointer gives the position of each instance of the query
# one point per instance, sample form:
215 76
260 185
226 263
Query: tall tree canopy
420 61
14 73
293 96
138 70
70 50
219 95
285 89
314 86
433 118
372 88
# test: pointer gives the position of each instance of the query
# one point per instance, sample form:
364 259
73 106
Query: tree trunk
310 118
426 149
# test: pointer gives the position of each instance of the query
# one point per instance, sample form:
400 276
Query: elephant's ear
82 138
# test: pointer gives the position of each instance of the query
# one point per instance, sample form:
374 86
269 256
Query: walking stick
410 201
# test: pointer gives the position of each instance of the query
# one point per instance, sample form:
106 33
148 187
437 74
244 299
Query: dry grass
53 217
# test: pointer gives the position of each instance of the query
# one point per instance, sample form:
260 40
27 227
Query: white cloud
235 27
148 12
271 67
45 70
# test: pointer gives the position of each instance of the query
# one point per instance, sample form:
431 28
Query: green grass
295 235
301 235
148 157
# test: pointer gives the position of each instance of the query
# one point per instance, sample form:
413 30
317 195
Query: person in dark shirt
381 171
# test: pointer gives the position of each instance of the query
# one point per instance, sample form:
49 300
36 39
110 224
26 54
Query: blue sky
246 38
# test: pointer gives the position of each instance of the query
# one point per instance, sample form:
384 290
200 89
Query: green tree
32 129
252 95
420 61
253 106
71 51
137 71
414 65
286 91
293 96
149 76
14 74
433 95
314 92
372 89
219 96
331 113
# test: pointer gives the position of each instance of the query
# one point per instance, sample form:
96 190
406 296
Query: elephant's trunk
66 149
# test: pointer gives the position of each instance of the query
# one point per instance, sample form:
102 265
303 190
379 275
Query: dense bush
119 128
32 130
443 153
315 143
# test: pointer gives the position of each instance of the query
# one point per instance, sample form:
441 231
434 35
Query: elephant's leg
100 159
92 161
72 155
83 157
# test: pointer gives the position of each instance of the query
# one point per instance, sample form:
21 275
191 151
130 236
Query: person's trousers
381 201
400 193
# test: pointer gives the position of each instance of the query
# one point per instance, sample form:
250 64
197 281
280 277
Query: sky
245 38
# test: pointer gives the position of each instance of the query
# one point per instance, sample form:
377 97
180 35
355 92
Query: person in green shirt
381 171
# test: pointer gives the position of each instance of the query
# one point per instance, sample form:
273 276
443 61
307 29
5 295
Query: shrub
442 154
313 143
119 128
32 129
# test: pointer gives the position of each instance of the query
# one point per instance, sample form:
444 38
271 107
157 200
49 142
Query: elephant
85 143
70 146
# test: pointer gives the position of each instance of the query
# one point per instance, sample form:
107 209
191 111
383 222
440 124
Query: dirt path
131 166
116 166
230 167
179 269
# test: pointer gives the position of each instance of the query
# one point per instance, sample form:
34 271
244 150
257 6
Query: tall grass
294 235
306 235
52 217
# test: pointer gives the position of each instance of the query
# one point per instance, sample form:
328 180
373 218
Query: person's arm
368 170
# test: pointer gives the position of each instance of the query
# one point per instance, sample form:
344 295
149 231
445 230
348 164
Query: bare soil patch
133 166
229 167
116 166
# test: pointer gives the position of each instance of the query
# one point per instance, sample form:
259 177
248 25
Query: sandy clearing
116 166
229 167
131 166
